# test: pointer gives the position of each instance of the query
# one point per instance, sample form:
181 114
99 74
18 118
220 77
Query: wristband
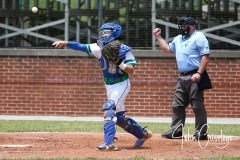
123 66
119 62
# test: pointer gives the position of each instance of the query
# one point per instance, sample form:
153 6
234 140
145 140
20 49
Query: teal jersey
112 73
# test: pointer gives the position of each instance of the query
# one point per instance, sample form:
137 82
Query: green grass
223 158
213 158
76 126
49 126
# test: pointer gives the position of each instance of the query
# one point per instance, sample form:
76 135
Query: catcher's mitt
110 52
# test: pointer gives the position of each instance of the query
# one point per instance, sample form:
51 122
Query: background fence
80 20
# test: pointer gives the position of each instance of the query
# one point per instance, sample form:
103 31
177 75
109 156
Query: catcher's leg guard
109 126
139 142
133 127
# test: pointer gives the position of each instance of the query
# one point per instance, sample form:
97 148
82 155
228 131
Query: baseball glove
110 52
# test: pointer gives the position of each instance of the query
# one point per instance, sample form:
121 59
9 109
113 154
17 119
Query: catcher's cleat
104 147
140 142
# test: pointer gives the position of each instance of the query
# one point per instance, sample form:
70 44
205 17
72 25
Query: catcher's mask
184 24
109 31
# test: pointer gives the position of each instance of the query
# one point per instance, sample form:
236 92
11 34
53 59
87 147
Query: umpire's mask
184 24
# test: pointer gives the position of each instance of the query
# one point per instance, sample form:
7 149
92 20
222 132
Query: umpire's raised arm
161 42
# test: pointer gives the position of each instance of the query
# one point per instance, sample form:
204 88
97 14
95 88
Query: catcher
117 62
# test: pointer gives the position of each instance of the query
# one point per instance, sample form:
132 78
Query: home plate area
83 145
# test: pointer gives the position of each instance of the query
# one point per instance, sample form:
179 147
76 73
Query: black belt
189 72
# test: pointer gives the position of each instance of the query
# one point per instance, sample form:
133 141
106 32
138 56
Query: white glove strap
123 66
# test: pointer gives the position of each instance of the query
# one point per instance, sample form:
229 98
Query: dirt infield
82 145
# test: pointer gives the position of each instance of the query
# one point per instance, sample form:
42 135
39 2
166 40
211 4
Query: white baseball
34 9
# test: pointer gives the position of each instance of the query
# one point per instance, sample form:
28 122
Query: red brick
59 86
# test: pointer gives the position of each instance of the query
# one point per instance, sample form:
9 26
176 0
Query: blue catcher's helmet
109 31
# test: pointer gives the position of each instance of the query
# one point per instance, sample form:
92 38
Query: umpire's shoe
139 142
172 134
200 136
104 147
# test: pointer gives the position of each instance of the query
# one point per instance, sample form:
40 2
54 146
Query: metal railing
80 20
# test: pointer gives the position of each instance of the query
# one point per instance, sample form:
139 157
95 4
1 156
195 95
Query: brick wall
73 86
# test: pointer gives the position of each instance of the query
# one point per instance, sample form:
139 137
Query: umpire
191 49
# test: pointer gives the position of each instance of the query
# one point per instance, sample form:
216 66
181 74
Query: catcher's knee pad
109 109
129 125
110 119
